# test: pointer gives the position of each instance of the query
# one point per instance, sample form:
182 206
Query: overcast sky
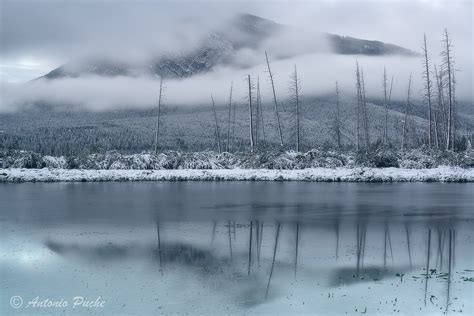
37 36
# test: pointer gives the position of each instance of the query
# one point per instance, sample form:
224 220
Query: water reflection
292 254
364 261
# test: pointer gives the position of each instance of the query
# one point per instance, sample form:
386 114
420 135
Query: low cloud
49 33
318 73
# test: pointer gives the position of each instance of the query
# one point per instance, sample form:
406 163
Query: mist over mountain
223 47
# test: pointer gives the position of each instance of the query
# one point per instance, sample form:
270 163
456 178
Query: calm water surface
139 248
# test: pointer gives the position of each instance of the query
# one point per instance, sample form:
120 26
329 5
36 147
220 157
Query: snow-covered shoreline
440 174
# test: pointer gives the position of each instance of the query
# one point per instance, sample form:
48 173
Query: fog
37 37
318 74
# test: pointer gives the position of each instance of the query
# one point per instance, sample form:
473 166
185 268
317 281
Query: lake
259 248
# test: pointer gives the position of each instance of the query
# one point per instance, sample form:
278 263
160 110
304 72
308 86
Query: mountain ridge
245 31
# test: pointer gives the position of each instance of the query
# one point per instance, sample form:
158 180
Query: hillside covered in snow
245 31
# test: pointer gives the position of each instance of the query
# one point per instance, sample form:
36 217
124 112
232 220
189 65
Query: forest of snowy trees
278 133
439 99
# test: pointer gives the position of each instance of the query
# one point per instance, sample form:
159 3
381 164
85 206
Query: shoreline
439 174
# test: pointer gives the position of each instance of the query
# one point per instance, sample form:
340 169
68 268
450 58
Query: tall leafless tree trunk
233 125
295 96
338 118
454 125
442 105
362 111
365 114
435 131
359 97
257 112
252 145
426 77
157 130
407 108
385 103
217 134
228 118
448 67
260 111
277 115
439 112
389 99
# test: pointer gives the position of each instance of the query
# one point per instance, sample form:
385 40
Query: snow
439 174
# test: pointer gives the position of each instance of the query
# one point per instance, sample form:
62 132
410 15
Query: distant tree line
260 131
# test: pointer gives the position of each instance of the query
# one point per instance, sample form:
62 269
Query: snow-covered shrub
417 159
448 158
55 162
22 159
381 158
325 159
278 159
72 162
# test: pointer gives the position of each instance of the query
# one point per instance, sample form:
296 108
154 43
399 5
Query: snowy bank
439 174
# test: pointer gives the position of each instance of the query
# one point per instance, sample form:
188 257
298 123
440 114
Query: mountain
243 32
347 45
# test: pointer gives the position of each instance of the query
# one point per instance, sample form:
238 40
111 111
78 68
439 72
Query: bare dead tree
442 105
295 89
439 112
217 134
385 103
252 145
435 131
277 115
388 103
407 108
365 114
228 118
427 88
260 111
448 66
359 98
157 130
454 116
257 112
233 125
362 111
338 118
